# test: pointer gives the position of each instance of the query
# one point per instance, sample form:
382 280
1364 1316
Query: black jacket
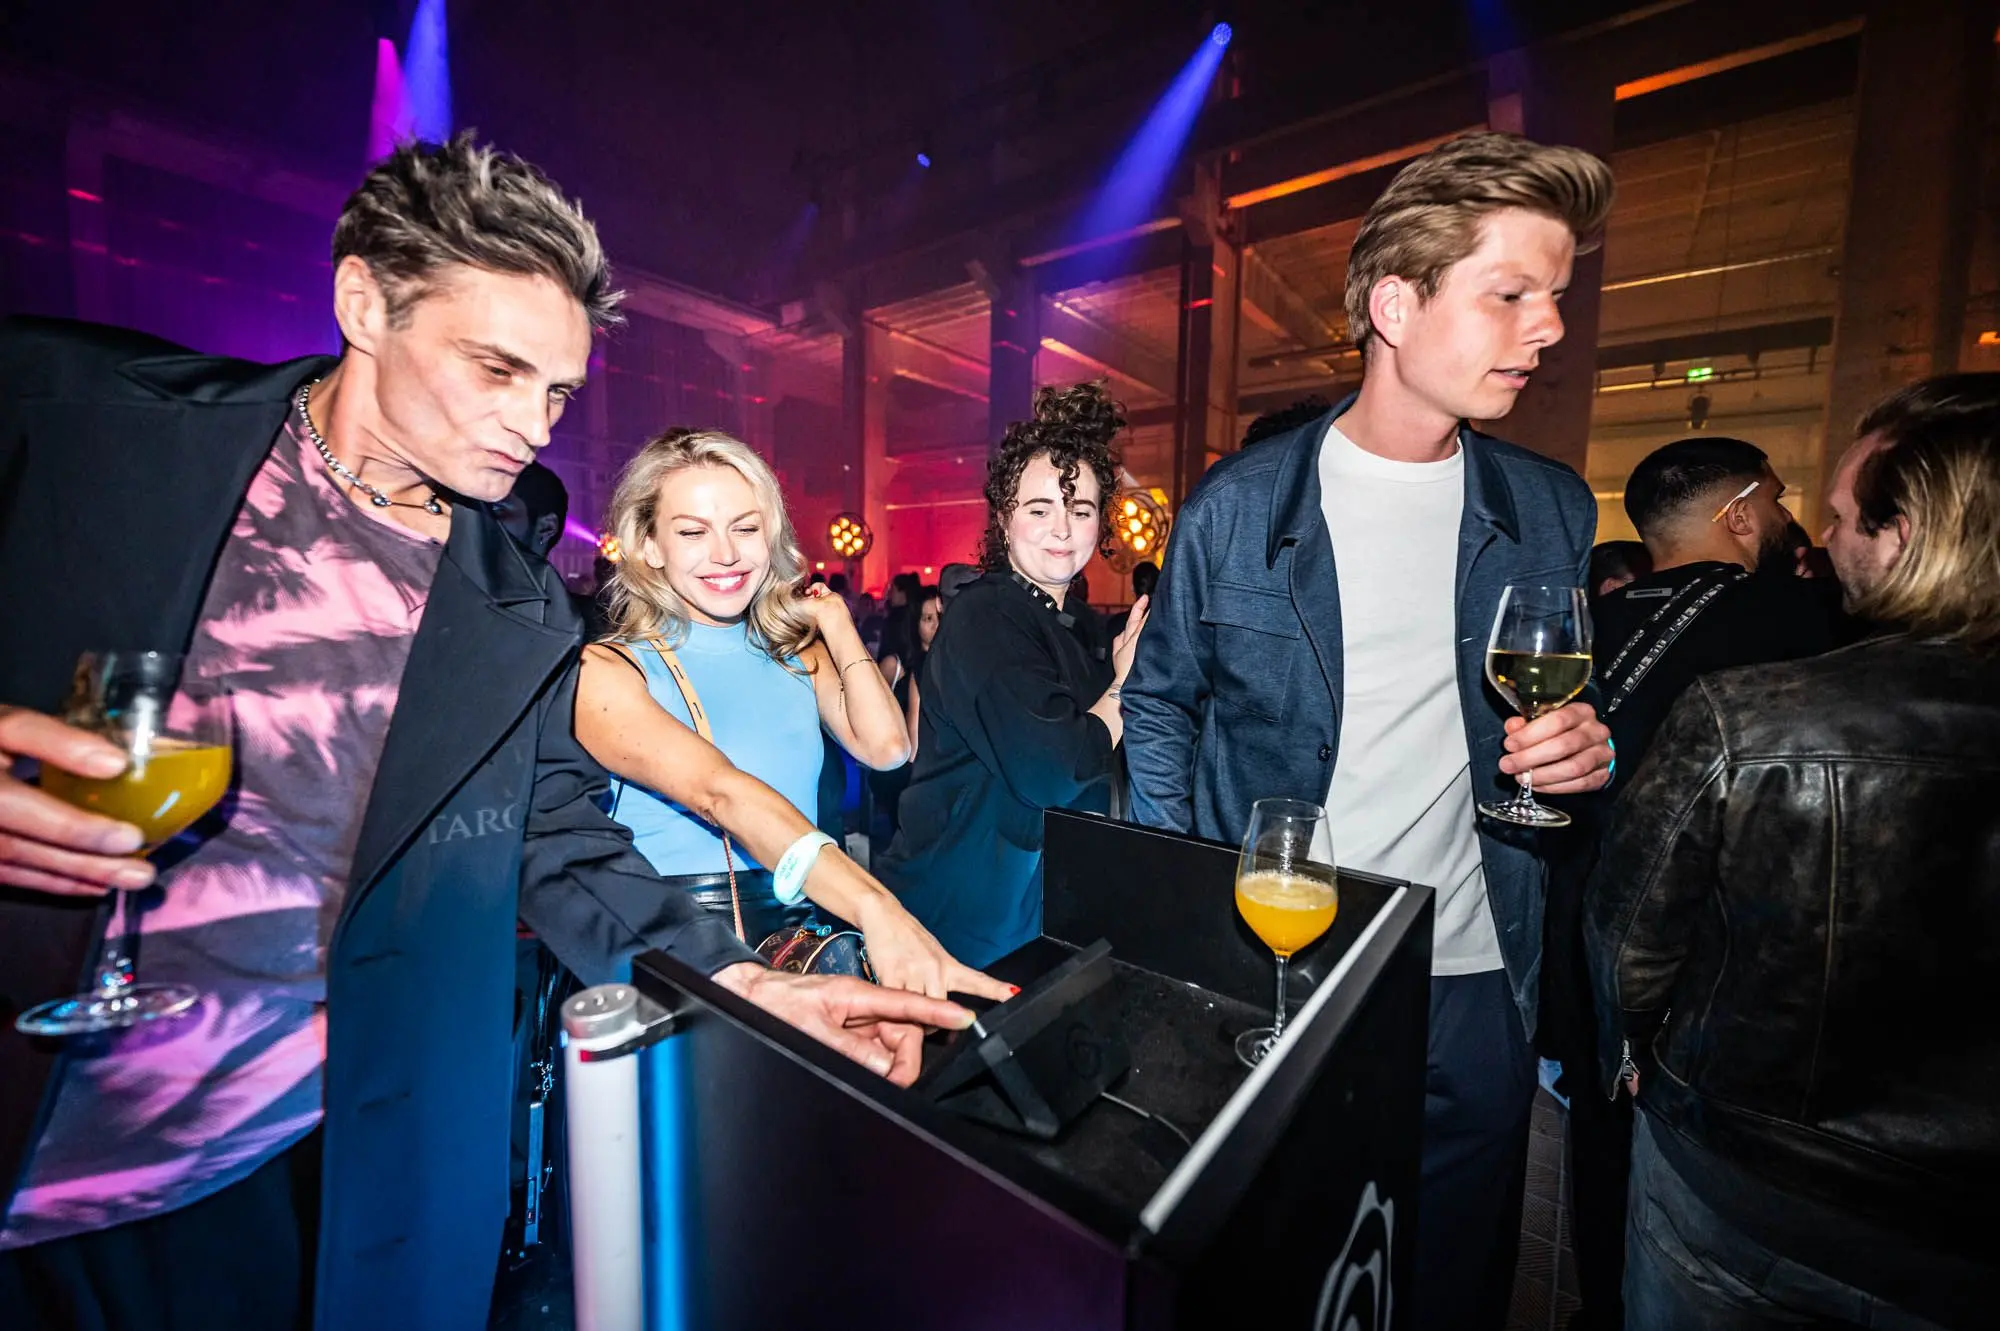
1760 618
1005 733
1806 871
121 471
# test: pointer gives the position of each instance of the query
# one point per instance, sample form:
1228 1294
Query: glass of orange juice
179 760
1287 892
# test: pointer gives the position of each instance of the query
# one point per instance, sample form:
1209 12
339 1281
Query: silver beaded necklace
433 505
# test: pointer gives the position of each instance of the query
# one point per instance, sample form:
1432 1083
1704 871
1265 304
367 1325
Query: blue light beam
1130 191
427 73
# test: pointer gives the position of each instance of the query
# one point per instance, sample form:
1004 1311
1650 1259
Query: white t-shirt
1400 801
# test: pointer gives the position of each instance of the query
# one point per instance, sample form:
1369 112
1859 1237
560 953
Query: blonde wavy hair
643 604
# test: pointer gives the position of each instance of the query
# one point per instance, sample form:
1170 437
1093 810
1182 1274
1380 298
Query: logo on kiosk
1356 1295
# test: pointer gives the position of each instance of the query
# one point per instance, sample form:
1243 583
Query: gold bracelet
851 664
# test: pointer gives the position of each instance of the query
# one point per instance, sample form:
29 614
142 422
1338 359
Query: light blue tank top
766 721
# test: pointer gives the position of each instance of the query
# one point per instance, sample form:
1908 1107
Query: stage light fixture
607 545
1139 525
924 161
850 536
1221 35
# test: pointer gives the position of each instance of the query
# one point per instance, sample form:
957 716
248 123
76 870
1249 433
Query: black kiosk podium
769 1182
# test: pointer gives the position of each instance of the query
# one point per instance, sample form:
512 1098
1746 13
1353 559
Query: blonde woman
708 630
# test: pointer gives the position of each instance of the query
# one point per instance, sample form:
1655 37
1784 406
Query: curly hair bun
1082 409
1073 428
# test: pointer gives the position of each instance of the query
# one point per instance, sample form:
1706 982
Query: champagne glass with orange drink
1287 892
178 746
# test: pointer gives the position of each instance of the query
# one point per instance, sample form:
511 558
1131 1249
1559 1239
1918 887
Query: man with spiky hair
322 1141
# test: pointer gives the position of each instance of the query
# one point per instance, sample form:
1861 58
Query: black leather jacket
1805 875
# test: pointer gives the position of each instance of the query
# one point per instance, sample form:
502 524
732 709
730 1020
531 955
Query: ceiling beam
927 362
1820 73
683 305
1104 349
1141 254
1354 138
1722 64
1342 201
956 387
1276 306
1790 335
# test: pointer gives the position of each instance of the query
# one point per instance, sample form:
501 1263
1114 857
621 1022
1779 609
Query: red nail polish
1013 989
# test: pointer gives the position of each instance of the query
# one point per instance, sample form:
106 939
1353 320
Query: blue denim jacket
1235 693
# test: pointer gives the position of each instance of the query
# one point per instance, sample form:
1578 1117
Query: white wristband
789 878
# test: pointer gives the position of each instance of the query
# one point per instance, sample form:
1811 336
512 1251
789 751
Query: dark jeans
1686 1266
238 1260
1599 1130
1600 1164
1479 1094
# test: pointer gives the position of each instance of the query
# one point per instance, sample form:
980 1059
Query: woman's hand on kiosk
905 956
881 1029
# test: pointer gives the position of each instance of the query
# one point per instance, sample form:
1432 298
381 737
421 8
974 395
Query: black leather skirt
763 915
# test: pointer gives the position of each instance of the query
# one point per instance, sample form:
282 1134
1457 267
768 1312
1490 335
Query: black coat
121 472
1004 734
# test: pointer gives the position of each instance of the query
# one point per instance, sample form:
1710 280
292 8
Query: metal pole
602 1027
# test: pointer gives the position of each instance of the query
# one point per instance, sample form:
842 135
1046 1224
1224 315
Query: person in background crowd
533 512
597 616
1086 623
1321 635
899 625
1286 419
1018 715
954 578
1808 560
1615 563
315 536
1796 922
1145 577
708 629
1707 508
927 609
869 620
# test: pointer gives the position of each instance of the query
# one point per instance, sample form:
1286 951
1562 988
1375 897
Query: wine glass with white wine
1538 659
177 742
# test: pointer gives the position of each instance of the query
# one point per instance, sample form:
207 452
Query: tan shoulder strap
672 662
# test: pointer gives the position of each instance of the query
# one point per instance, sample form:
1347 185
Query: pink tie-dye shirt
308 620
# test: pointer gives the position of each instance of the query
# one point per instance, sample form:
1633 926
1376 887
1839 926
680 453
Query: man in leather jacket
1795 922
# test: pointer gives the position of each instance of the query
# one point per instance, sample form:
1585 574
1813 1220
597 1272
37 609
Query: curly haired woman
1020 710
